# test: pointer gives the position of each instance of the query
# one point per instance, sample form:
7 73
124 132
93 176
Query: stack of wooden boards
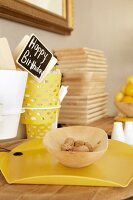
84 71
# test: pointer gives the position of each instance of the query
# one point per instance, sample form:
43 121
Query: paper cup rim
42 108
14 112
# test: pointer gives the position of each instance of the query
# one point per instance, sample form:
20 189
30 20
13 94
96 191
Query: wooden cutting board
84 77
85 92
80 122
88 102
81 61
60 54
83 83
82 116
80 65
83 107
81 112
73 91
80 57
84 110
86 89
82 98
82 69
78 51
83 80
83 102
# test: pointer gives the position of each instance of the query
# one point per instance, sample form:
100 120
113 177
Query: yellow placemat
37 166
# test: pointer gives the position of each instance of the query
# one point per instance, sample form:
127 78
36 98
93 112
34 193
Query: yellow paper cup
39 96
42 94
37 131
43 116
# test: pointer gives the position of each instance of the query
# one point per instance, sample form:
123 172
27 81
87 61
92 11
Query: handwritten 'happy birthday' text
40 56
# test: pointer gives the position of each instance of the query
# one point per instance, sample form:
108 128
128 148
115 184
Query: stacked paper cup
41 99
123 134
41 103
11 97
12 88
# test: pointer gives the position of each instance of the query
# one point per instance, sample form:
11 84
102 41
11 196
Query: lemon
127 99
129 90
123 89
130 79
119 96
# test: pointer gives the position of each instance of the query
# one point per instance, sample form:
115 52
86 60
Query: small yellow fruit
130 79
119 96
129 90
127 99
123 89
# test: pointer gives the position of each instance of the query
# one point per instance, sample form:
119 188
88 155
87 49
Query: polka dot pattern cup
37 131
41 102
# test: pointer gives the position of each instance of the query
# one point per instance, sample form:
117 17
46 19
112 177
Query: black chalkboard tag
36 59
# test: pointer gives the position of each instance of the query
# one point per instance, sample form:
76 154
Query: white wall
100 24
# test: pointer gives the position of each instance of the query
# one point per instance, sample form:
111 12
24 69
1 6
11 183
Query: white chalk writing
39 52
32 64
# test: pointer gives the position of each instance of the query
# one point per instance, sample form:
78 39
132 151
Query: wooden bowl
125 108
54 139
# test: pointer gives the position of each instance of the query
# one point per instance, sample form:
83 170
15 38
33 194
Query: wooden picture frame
28 14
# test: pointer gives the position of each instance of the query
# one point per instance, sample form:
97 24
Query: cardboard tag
6 58
36 58
16 52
